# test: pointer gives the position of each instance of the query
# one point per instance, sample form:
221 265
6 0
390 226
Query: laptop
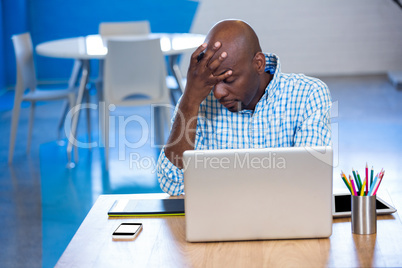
258 194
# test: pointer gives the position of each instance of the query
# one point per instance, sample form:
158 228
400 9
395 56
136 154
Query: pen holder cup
364 215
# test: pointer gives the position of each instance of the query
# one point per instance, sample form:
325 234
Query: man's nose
220 91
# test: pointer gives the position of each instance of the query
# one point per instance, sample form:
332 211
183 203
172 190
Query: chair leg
62 120
106 135
161 115
31 119
14 126
99 81
71 103
88 113
157 126
167 121
71 99
74 123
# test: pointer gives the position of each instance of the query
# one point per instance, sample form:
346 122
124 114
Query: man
236 97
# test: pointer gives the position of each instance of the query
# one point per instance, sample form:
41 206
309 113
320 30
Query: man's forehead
233 61
230 63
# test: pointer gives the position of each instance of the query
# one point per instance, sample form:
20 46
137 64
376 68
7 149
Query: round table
95 46
89 47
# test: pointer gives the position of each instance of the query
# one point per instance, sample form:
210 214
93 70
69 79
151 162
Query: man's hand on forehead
213 57
201 76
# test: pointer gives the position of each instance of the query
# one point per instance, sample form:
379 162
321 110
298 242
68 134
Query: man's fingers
204 68
213 66
222 77
198 51
204 55
210 52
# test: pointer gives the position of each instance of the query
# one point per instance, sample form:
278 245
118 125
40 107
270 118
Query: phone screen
127 229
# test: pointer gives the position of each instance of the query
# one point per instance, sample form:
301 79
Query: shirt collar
272 66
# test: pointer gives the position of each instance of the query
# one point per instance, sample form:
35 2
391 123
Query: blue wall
2 61
15 21
54 19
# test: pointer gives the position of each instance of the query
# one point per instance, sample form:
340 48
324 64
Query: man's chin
233 107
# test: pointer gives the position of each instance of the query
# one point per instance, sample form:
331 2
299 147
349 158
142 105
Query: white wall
317 37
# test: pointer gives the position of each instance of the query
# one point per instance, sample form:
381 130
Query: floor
42 203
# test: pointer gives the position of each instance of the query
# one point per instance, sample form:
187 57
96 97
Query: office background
314 37
351 45
48 20
319 37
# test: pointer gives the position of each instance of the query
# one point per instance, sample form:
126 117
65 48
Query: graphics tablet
147 207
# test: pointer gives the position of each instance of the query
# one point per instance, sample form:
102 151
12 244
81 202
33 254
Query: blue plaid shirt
294 111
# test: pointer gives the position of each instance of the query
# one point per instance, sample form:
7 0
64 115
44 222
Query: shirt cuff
170 177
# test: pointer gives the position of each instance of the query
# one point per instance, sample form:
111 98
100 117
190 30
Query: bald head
237 38
233 51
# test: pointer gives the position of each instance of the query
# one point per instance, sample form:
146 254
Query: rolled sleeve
170 177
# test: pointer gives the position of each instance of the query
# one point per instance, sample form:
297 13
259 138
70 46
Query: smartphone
127 231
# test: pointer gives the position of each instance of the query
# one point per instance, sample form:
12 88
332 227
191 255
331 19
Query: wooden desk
162 244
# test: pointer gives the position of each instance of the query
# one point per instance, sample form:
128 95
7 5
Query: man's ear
259 62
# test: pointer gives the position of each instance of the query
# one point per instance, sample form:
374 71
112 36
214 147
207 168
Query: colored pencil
371 175
369 186
353 185
373 184
354 176
346 182
344 176
362 189
346 179
379 181
367 183
378 185
358 177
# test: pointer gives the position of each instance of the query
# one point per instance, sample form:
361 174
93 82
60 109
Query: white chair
124 28
110 29
135 74
26 79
